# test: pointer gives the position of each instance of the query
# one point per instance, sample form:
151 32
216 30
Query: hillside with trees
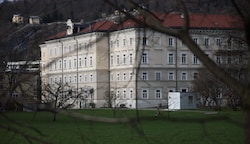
17 40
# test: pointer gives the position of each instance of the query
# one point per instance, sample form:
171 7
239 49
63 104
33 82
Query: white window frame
117 59
124 93
144 93
158 93
124 59
207 42
195 60
158 75
184 59
90 60
171 41
111 59
144 59
144 75
171 58
184 76
171 75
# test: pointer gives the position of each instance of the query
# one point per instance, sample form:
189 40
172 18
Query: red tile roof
98 26
59 35
204 21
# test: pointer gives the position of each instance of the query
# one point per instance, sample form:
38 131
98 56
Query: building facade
20 86
127 64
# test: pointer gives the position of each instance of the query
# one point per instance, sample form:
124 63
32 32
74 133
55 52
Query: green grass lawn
179 127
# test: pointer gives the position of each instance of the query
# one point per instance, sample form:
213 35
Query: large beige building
130 65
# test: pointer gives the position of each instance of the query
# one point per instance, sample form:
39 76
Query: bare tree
59 96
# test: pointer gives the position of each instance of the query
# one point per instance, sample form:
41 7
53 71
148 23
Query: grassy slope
176 128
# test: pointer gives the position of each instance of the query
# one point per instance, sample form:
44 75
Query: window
91 77
124 59
117 59
75 79
117 43
55 52
195 75
131 58
144 93
158 93
90 61
144 76
55 65
80 62
131 41
195 59
170 41
69 63
65 64
196 40
229 59
65 79
229 43
70 80
90 45
144 41
218 42
131 93
111 44
69 49
190 100
111 59
124 42
170 76
75 48
75 63
60 64
80 78
130 75
184 58
157 75
118 93
50 66
183 76
65 50
85 46
170 58
80 46
111 77
207 43
85 61
50 52
184 90
124 76
85 78
157 41
145 58
218 59
118 76
124 93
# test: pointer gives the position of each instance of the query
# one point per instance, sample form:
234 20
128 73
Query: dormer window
70 27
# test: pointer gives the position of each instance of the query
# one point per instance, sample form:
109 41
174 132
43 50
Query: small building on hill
34 20
17 18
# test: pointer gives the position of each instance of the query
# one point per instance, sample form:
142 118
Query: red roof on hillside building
175 20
